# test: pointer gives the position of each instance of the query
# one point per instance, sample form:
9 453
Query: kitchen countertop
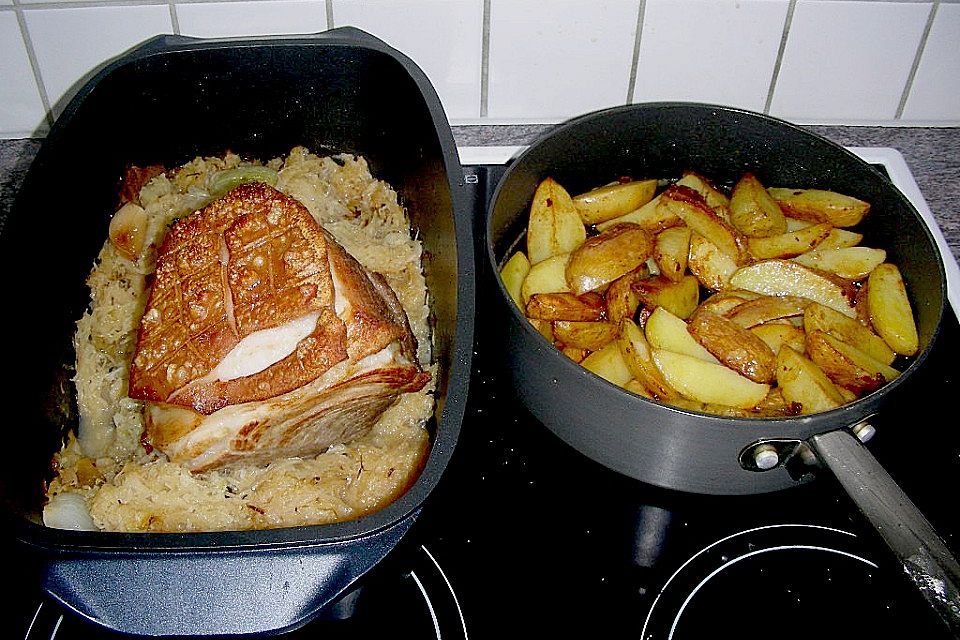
932 154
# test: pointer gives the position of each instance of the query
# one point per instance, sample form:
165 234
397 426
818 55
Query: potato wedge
671 249
574 353
513 273
840 238
890 312
590 336
804 383
707 382
847 366
767 308
722 302
622 300
817 317
753 211
820 205
638 355
693 210
543 327
711 266
853 263
603 258
608 364
565 306
547 276
715 199
776 335
733 346
791 243
650 216
679 298
613 200
637 387
777 277
666 331
554 227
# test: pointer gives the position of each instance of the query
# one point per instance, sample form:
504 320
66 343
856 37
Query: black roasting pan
167 101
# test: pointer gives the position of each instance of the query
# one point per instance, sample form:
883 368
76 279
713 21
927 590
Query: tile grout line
328 6
485 61
787 21
908 85
635 62
34 64
174 18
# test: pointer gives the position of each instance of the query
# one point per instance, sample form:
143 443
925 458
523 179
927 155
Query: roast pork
263 338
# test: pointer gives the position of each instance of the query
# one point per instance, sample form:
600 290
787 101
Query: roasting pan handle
924 556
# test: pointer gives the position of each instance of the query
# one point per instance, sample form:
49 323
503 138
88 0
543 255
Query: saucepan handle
924 556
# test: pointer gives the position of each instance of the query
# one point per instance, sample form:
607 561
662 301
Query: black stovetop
524 536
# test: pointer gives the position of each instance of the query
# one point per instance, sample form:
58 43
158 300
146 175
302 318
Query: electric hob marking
426 597
663 589
730 563
453 594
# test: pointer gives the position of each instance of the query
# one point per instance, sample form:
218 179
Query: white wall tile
708 51
552 60
935 94
71 42
848 61
444 37
227 19
6 2
22 110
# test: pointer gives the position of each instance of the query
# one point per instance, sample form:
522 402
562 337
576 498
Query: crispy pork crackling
263 338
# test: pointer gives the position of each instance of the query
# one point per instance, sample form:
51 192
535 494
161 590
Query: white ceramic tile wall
502 61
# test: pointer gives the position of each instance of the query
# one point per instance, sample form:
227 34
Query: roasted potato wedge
776 335
671 250
805 384
638 355
666 331
707 382
555 226
778 277
590 336
791 243
753 211
576 354
734 346
546 276
543 327
715 199
820 205
696 214
513 273
840 238
650 216
853 263
817 317
566 306
847 366
711 266
890 312
613 200
622 300
679 298
722 302
608 363
603 258
767 308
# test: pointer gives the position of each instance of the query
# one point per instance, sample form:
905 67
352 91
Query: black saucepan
695 452
165 102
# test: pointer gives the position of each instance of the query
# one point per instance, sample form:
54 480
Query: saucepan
693 451
165 102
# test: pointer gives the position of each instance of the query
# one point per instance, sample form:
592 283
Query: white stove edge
890 158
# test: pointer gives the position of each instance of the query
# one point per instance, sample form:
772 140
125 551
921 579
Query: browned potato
776 335
817 317
650 216
565 306
791 243
722 302
543 327
711 266
853 263
765 309
890 310
691 208
608 363
513 273
787 278
753 211
846 365
679 298
734 346
614 200
820 205
547 276
667 332
604 258
707 382
574 353
554 227
638 355
805 384
671 250
840 238
589 336
622 300
715 199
